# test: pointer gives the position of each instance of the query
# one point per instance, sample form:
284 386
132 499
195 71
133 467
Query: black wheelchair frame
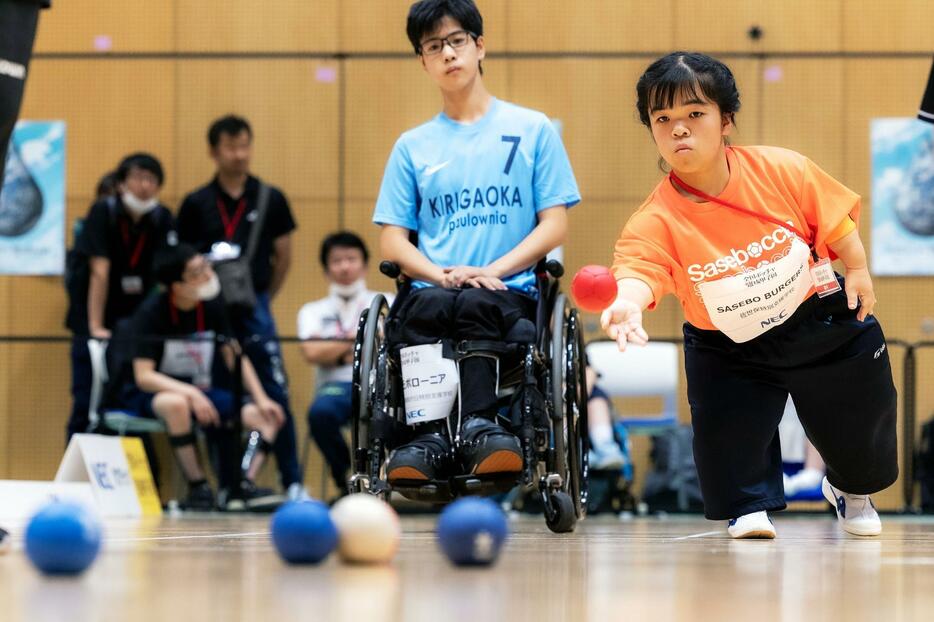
548 398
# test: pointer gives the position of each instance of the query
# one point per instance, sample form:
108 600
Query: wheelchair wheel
369 394
569 397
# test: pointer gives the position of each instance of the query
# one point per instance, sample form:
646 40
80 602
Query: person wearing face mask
328 327
115 247
178 369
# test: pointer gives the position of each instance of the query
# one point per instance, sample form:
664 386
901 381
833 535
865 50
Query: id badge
824 279
132 284
222 251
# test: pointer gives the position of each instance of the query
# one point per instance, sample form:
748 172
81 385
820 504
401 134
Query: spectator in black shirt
181 362
114 248
224 210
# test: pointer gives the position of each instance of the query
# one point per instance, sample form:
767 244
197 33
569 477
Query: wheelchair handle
554 268
390 269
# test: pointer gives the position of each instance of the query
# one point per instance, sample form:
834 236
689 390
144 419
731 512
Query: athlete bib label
750 303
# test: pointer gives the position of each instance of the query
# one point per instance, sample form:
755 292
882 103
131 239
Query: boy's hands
471 276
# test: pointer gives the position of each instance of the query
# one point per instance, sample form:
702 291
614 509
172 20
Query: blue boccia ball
471 531
63 538
303 532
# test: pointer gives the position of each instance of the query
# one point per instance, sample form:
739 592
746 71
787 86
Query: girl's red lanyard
173 312
230 224
775 221
137 252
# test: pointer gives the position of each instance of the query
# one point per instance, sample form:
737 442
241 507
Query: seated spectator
803 467
344 257
180 375
605 451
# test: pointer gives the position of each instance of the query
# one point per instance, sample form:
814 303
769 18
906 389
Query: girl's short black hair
140 160
169 263
680 75
342 239
425 15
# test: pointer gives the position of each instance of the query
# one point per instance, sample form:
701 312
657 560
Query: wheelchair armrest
390 269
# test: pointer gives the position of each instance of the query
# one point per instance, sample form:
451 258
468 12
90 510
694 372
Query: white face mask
348 291
209 290
137 206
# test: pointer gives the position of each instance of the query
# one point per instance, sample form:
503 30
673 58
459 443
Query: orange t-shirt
673 244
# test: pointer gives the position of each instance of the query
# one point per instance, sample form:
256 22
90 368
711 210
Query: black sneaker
5 540
249 497
259 499
200 498
488 449
428 457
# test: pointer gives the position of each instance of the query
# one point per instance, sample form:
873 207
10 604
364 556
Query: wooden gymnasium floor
681 568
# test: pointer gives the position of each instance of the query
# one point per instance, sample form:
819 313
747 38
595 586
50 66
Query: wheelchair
541 386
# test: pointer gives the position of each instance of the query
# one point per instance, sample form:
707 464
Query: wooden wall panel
789 26
109 113
246 25
124 26
36 411
368 26
801 110
292 112
305 280
595 25
386 97
904 26
876 88
611 152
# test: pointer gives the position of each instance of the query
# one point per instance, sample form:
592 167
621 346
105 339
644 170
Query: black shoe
428 457
5 541
249 497
486 448
200 498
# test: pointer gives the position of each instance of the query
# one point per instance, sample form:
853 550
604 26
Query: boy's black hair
342 239
140 160
231 125
168 265
426 15
680 75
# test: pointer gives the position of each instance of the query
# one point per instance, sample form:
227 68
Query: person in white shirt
344 257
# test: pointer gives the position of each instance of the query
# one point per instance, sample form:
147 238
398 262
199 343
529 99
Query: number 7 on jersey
512 152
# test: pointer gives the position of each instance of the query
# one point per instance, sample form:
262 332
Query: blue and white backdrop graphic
32 203
902 197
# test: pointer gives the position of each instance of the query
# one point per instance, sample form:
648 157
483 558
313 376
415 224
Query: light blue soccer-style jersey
473 191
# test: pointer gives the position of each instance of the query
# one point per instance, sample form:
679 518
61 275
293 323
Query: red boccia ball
594 288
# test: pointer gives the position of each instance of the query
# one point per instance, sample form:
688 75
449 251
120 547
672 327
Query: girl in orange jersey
743 237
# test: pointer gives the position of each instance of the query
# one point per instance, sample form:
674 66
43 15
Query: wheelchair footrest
442 491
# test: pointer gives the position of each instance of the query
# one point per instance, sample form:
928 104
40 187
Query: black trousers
837 371
430 314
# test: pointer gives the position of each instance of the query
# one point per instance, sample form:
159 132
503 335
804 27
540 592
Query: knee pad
181 440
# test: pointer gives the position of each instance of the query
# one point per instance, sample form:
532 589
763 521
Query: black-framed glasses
456 39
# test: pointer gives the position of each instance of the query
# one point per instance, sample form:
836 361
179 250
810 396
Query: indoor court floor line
680 568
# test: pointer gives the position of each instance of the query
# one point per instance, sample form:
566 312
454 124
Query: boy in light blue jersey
485 185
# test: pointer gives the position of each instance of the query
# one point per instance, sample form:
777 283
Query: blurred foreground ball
368 529
303 532
63 538
471 531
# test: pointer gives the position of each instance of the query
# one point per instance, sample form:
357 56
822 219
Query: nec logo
416 414
774 320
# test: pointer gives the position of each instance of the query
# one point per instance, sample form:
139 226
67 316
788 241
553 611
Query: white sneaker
755 525
5 541
297 492
856 513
